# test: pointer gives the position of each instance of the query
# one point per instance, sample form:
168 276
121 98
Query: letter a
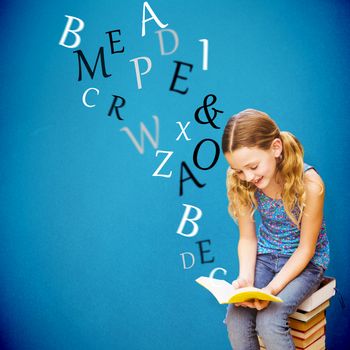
153 17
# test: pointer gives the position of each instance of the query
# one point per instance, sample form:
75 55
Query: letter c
84 96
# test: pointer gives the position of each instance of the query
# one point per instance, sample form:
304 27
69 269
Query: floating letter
183 131
137 69
191 177
87 66
176 75
156 173
191 220
204 251
115 107
74 32
184 262
143 131
84 96
161 42
196 150
153 17
205 53
111 41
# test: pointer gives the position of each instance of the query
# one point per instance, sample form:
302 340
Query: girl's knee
238 318
272 321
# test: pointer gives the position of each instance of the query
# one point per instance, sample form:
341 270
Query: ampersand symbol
209 118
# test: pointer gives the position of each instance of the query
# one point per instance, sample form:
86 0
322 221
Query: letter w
144 131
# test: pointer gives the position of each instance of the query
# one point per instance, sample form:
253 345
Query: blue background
90 258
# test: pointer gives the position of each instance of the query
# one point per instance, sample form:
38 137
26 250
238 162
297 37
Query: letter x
183 131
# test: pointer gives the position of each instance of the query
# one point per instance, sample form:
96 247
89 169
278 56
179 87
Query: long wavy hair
253 128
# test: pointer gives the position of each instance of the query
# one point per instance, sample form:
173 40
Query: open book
225 293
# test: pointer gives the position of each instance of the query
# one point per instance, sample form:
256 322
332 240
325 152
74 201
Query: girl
290 252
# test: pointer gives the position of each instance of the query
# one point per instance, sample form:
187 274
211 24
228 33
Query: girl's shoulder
312 180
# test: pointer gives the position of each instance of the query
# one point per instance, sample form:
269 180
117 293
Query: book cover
319 344
305 316
303 343
325 292
309 332
304 326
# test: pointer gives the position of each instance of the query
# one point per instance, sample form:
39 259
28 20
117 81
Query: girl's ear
277 147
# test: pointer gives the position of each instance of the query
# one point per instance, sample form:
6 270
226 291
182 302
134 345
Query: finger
250 304
235 284
257 304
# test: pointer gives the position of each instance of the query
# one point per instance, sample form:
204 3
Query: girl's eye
253 168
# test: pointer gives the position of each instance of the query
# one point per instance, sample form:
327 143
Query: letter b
74 32
192 221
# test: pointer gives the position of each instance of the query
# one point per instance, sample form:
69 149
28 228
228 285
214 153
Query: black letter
184 165
195 154
176 75
111 41
204 251
116 107
92 72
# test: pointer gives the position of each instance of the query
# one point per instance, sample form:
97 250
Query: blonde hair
253 128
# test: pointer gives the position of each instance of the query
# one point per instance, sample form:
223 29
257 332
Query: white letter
183 131
160 24
212 273
183 260
84 97
192 221
143 131
137 69
67 29
156 173
205 53
161 42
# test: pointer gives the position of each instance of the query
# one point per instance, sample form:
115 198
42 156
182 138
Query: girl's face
256 165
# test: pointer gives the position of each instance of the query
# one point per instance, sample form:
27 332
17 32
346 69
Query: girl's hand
262 304
241 282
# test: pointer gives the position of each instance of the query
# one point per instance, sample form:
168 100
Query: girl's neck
274 190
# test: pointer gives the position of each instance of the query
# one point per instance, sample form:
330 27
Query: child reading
288 254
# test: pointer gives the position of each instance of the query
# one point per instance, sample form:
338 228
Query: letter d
184 260
73 31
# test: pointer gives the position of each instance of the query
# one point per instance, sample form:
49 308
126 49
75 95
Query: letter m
91 72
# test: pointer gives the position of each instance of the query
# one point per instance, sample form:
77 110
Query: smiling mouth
258 180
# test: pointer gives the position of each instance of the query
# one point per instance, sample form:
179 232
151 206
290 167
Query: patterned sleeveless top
278 234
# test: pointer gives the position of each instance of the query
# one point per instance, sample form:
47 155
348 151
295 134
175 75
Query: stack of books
308 323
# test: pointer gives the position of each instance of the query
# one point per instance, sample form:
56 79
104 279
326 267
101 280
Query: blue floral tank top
278 234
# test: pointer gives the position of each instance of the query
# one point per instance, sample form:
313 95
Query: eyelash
240 172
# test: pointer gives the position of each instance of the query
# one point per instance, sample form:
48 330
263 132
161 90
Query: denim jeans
271 324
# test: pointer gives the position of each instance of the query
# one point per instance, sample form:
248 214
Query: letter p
137 69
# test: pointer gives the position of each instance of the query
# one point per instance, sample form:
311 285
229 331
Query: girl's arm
310 228
247 247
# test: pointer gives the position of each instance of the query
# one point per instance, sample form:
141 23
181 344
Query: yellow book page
242 296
